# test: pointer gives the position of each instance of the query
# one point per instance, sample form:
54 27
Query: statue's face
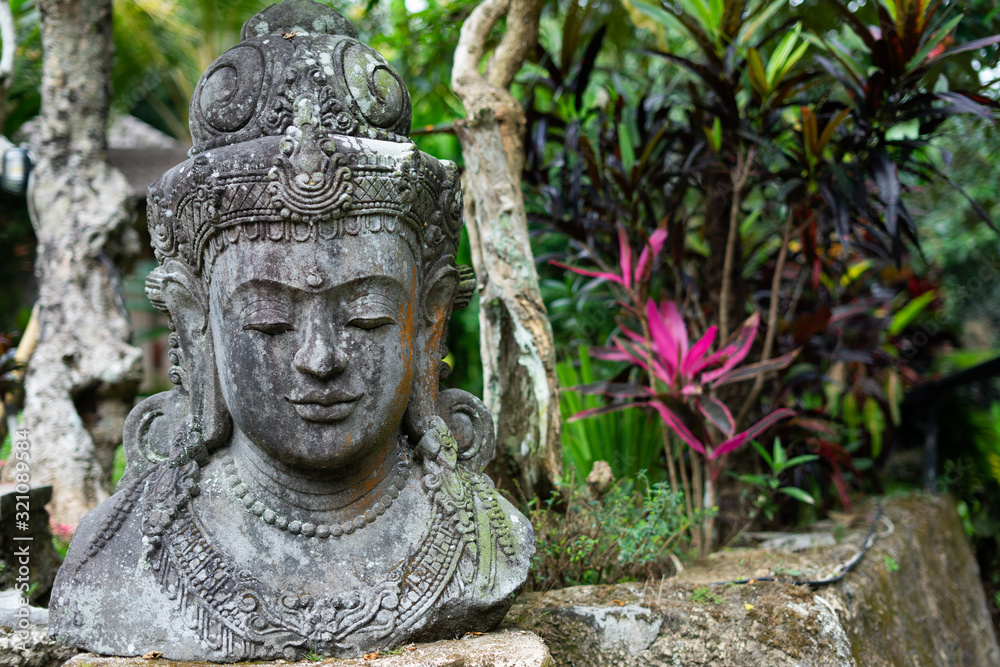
314 344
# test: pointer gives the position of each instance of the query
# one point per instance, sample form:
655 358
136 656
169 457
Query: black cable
816 583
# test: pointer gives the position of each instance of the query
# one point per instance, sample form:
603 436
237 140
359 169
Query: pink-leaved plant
682 376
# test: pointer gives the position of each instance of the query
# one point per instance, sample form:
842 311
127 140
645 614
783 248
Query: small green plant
764 487
702 595
313 655
629 533
890 563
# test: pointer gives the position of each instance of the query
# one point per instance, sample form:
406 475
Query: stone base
510 648
916 598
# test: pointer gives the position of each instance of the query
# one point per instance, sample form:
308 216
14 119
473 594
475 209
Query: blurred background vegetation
855 146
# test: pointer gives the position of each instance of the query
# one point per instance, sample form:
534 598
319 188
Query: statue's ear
196 403
436 304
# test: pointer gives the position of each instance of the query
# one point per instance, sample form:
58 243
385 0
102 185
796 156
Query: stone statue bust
307 485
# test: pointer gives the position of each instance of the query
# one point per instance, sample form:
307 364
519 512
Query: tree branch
520 38
472 43
772 319
490 92
744 163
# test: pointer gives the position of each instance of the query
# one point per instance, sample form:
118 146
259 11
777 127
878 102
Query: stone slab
511 648
916 598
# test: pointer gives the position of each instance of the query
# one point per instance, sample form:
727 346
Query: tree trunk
83 376
521 388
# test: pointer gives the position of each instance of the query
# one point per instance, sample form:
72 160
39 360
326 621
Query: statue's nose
322 353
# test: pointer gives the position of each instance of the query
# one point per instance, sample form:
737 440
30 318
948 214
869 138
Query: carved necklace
308 529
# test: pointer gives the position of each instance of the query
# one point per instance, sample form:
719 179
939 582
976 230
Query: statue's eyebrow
377 287
260 290
262 304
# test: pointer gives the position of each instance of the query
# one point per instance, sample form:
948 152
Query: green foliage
61 545
890 564
118 466
762 488
25 99
630 441
704 595
313 655
628 533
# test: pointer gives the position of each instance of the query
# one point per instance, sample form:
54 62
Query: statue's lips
327 406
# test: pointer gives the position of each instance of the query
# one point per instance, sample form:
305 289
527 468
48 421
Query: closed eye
269 328
370 323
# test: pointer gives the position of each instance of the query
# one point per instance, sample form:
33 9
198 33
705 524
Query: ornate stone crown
300 133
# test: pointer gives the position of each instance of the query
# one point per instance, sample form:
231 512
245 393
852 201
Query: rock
496 649
799 541
915 598
918 597
11 611
631 625
600 479
36 649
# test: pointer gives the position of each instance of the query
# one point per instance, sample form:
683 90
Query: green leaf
779 455
700 10
874 424
850 411
799 460
781 54
764 454
894 394
790 63
755 68
909 312
934 40
626 147
656 13
757 480
798 494
757 17
714 135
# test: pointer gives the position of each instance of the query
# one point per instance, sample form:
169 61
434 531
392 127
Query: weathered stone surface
37 650
308 487
932 609
12 611
495 649
914 599
612 626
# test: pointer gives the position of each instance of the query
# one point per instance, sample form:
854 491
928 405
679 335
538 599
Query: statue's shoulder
117 519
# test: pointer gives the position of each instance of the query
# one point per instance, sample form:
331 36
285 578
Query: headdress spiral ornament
301 133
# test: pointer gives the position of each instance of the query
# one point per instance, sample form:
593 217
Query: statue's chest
252 588
333 565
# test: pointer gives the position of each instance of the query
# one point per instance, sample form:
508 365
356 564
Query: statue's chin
332 451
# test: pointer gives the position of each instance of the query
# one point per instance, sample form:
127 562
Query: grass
702 595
